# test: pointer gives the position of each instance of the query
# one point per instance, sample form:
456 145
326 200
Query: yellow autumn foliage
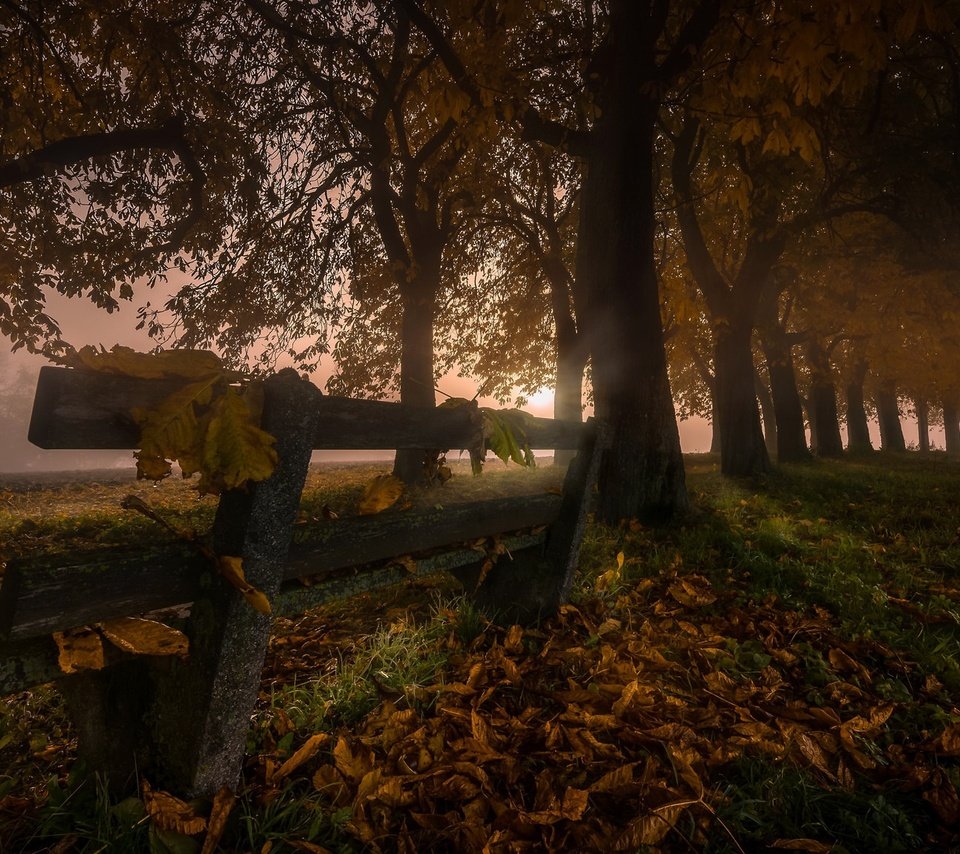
209 426
231 568
381 492
188 364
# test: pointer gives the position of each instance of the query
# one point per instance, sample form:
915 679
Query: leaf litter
610 727
617 725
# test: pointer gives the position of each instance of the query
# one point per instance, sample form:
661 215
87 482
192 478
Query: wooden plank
25 663
49 594
295 598
88 410
350 542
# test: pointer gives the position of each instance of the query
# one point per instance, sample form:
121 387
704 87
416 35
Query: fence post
202 712
533 585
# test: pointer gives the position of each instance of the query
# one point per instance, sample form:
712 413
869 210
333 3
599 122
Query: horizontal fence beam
43 595
34 660
87 410
350 542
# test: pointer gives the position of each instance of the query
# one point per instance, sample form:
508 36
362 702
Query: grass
835 583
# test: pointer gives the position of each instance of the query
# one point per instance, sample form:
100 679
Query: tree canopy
753 194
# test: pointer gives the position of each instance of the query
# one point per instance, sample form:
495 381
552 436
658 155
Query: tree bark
742 447
765 399
788 411
923 425
824 419
951 428
703 369
416 357
567 401
641 474
571 352
732 308
888 414
810 415
858 433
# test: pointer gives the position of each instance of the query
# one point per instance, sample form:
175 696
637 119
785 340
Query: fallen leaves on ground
607 728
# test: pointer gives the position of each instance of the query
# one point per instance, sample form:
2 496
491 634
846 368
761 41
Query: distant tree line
738 209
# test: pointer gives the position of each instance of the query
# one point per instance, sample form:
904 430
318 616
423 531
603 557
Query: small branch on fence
230 567
138 505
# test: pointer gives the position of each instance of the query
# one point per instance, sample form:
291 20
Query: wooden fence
185 721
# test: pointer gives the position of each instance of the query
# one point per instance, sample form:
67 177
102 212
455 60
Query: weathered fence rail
185 721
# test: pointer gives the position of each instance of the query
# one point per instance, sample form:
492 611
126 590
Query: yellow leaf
170 813
231 568
151 466
217 823
145 637
80 649
382 492
189 364
306 752
235 450
172 431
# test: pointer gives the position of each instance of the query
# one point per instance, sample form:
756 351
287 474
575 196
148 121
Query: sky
83 323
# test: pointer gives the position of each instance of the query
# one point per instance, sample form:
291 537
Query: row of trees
520 189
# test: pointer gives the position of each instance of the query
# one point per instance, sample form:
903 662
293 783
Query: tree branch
60 155
695 32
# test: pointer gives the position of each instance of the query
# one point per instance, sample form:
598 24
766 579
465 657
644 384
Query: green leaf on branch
505 434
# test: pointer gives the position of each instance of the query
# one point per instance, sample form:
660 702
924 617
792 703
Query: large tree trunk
732 307
571 353
767 412
715 443
642 471
923 425
787 409
951 428
824 419
706 375
742 448
858 433
416 359
567 401
888 414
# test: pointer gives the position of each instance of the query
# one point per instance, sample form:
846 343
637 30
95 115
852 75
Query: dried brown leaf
145 637
170 813
811 845
354 765
652 828
382 492
231 568
80 649
217 822
306 752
